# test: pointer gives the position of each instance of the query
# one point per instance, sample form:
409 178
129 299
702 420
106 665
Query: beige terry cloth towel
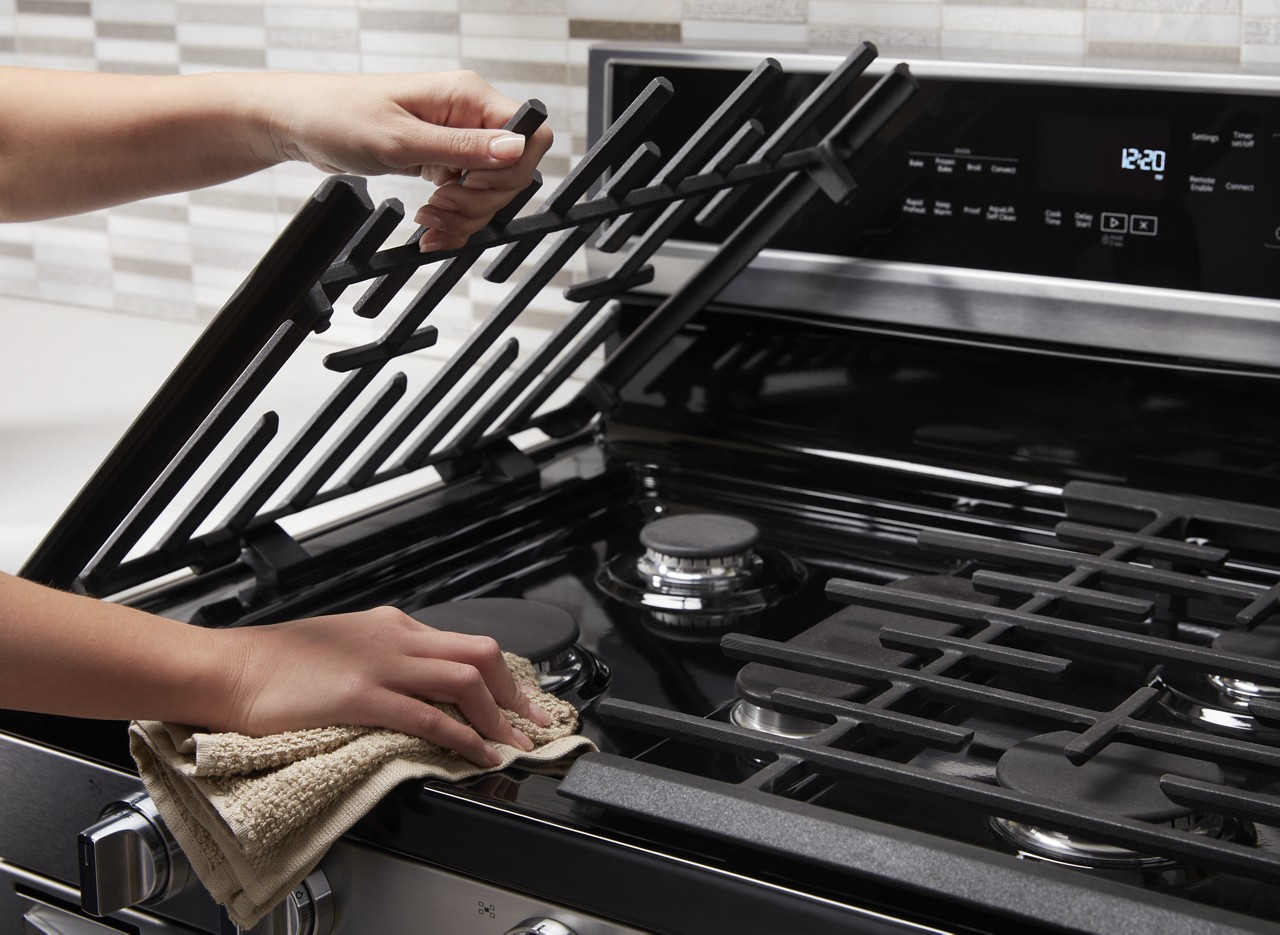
255 815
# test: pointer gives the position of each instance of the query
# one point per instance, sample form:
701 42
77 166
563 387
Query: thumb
465 148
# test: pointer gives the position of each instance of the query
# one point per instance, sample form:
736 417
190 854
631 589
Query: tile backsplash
180 256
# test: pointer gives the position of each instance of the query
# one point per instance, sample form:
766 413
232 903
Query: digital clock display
1103 155
1144 160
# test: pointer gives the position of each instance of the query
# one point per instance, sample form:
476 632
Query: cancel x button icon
1142 224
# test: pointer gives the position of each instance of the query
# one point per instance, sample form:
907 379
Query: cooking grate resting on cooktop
1074 650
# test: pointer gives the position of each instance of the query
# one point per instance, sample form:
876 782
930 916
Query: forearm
65 654
72 142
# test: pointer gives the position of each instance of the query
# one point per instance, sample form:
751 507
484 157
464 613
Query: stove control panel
1169 188
1102 176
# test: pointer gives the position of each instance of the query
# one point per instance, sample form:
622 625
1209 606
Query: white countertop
71 381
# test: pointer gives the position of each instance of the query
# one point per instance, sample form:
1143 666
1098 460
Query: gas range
909 551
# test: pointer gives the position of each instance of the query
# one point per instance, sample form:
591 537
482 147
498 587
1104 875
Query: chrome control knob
308 910
541 927
129 858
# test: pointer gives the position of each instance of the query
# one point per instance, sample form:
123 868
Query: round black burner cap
1121 780
531 629
1261 643
699 535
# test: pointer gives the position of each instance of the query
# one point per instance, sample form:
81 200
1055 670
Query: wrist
224 673
252 109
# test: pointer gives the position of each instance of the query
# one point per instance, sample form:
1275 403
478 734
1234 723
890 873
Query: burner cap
1122 779
527 628
699 535
1262 643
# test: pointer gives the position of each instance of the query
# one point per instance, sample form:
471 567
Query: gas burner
701 572
1219 703
545 635
1121 780
701 552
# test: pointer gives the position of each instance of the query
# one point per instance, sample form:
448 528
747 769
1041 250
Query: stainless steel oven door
31 904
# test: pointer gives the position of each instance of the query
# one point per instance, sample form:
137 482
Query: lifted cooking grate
154 507
1139 587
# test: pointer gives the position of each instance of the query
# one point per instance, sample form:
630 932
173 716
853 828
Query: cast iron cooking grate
156 507
1162 587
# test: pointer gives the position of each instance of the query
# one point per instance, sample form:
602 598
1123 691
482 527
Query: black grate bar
253 444
849 765
732 111
341 449
466 356
1238 525
519 381
483 380
1094 739
952 691
829 664
985 655
632 269
594 211
364 244
1174 550
878 721
422 305
832 88
405 332
424 302
778 209
563 369
525 121
501 318
380 351
615 141
199 446
1067 595
1213 661
382 290
1161 580
320 423
1222 800
388 285
1268 712
1261 608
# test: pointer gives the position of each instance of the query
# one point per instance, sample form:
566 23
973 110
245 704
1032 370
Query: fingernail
430 242
522 739
442 203
506 147
492 757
